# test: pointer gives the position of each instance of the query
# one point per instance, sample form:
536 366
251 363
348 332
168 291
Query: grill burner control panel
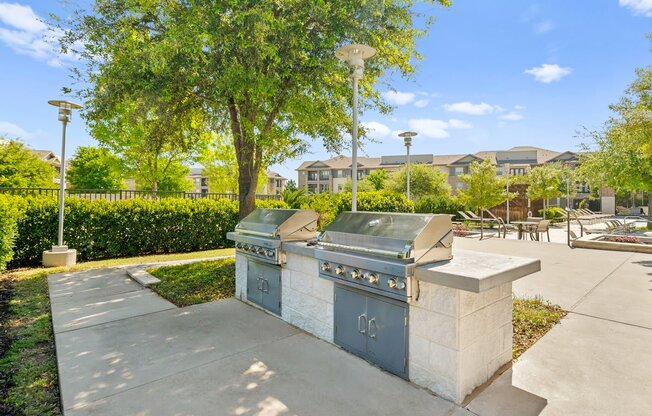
269 254
380 282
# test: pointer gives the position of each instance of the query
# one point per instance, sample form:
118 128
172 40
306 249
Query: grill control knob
355 274
260 250
325 267
372 278
245 247
238 245
400 285
339 270
270 253
391 283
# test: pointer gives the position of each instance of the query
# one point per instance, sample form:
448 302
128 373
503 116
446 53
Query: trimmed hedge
11 209
438 205
102 229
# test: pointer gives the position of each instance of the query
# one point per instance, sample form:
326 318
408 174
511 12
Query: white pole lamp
506 168
407 139
61 255
355 55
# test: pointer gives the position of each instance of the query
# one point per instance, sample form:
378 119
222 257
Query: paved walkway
598 360
122 350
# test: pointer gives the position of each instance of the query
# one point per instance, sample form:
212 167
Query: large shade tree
424 180
94 168
263 70
21 168
620 155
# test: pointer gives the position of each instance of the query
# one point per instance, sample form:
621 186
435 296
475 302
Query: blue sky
495 74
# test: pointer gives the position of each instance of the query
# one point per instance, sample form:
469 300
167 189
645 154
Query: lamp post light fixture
506 167
61 255
407 139
355 55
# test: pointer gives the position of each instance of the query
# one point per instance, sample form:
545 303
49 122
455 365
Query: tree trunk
544 208
481 223
649 206
247 184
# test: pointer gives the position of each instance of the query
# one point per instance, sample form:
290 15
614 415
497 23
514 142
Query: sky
494 74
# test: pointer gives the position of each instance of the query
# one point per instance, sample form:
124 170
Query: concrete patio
124 350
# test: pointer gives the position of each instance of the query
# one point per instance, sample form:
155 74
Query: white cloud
548 73
24 32
519 107
544 26
638 7
428 127
398 97
375 129
454 123
436 129
512 116
421 103
13 131
467 107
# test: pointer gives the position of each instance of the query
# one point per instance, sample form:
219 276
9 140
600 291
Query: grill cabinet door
387 334
254 280
350 320
271 288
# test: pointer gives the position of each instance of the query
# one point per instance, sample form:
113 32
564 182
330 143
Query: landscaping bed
532 319
189 284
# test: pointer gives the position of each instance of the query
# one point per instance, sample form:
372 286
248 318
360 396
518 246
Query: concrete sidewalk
122 350
597 361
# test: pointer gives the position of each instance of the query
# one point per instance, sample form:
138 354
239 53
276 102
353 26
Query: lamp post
407 139
355 55
60 255
506 167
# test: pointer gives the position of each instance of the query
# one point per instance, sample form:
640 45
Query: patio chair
501 223
542 227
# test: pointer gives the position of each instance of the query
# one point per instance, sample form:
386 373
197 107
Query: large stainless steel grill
378 252
260 234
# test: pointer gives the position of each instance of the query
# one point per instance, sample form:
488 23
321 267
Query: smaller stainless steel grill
260 234
378 252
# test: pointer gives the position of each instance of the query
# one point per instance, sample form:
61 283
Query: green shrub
11 209
438 205
324 204
271 203
102 229
378 201
555 214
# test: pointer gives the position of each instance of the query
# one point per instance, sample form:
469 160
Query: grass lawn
532 319
189 284
28 372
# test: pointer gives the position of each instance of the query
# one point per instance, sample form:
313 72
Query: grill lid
284 224
422 238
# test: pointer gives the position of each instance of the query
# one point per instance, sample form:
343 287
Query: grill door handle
362 328
259 283
375 328
265 282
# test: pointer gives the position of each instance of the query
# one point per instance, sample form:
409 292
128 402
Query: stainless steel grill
378 252
260 234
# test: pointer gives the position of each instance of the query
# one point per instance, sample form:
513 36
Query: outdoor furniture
542 227
522 227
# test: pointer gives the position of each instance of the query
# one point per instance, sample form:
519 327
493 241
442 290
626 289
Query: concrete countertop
475 271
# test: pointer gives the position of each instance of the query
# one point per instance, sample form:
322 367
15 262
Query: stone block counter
459 318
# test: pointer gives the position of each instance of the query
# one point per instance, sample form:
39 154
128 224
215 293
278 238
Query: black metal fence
118 195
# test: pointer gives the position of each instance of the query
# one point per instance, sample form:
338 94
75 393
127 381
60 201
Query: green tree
294 197
94 168
291 185
424 180
483 189
20 168
620 155
265 71
174 179
378 178
364 185
545 182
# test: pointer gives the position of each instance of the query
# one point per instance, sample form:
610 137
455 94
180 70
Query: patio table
522 225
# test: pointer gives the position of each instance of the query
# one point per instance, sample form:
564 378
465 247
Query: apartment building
330 175
275 182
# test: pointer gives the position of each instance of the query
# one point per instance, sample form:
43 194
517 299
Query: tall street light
407 139
355 55
60 255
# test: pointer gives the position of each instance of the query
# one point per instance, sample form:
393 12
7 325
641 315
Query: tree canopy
20 168
483 189
620 155
94 168
265 71
548 181
424 180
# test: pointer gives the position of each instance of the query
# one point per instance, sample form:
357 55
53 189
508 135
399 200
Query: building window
323 188
517 171
324 175
312 176
312 188
204 182
582 188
